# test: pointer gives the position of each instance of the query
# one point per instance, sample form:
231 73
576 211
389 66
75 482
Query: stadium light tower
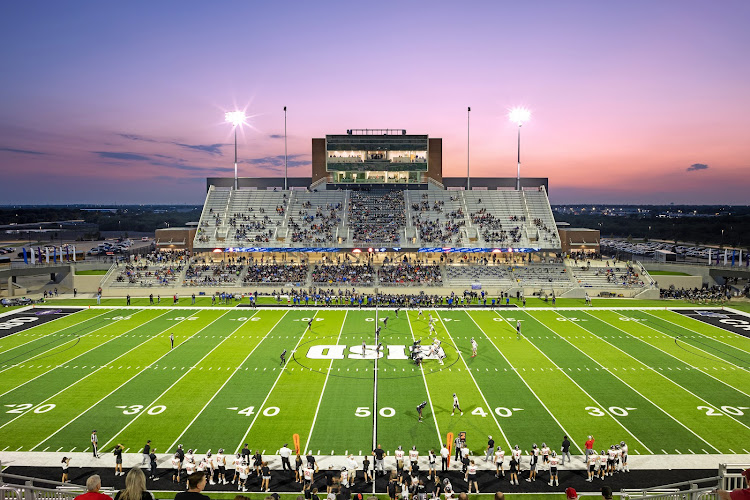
236 118
519 116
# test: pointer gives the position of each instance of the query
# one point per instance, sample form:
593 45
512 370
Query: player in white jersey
221 466
499 459
419 313
545 454
176 468
413 458
308 474
473 347
238 464
456 406
399 455
189 457
624 460
244 472
471 476
603 457
553 461
591 461
210 467
611 456
518 329
189 465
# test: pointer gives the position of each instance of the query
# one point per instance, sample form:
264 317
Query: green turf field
658 380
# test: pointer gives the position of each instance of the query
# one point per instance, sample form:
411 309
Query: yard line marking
281 372
230 376
51 334
437 313
21 363
145 409
708 353
703 336
320 399
74 383
675 383
128 380
524 383
424 378
632 388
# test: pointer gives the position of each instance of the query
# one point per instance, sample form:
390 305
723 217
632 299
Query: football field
663 381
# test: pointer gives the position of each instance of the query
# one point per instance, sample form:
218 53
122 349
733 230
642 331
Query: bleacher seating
467 275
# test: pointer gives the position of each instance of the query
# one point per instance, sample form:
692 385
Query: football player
456 406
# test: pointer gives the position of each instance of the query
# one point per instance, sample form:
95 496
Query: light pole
468 172
519 116
236 118
286 184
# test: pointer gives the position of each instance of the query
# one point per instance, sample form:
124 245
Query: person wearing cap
571 494
736 494
490 448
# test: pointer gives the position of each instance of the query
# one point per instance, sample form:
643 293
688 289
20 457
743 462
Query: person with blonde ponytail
135 486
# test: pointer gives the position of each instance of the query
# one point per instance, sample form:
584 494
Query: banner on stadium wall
476 250
380 249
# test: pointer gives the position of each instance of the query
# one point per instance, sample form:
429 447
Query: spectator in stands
93 485
135 486
736 494
196 482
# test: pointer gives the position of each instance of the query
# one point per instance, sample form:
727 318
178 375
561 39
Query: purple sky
123 102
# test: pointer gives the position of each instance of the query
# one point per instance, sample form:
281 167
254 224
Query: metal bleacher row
498 218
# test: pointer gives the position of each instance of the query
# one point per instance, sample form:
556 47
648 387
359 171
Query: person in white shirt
602 465
221 466
591 460
471 476
176 468
545 454
399 455
444 454
238 464
432 464
553 461
244 471
285 452
473 347
499 459
413 458
210 467
352 469
624 451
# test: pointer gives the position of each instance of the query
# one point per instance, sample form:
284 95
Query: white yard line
681 361
524 383
621 380
675 383
228 379
60 345
323 391
281 372
424 378
53 368
128 380
458 351
77 381
581 388
50 333
146 408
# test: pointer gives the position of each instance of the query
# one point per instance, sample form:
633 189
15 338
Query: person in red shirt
589 445
737 494
93 484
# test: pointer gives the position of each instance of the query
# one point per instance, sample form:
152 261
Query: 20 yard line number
21 408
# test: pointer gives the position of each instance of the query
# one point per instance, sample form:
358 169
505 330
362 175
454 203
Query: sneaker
462 413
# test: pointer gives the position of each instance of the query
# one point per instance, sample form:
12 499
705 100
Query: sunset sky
123 102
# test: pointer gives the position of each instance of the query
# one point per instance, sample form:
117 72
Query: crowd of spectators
492 230
376 217
408 274
704 295
161 268
276 273
318 227
203 273
343 273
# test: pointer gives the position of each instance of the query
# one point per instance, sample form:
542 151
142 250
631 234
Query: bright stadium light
519 116
236 118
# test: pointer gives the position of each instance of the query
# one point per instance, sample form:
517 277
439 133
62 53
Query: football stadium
377 319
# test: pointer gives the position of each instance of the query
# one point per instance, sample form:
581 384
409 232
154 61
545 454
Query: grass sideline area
92 272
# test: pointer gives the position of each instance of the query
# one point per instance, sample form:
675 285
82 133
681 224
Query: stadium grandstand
378 213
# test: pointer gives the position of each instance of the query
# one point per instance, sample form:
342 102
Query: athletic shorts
591 468
553 471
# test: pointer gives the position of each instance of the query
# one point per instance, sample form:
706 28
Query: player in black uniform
309 325
397 310
385 322
420 408
283 358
